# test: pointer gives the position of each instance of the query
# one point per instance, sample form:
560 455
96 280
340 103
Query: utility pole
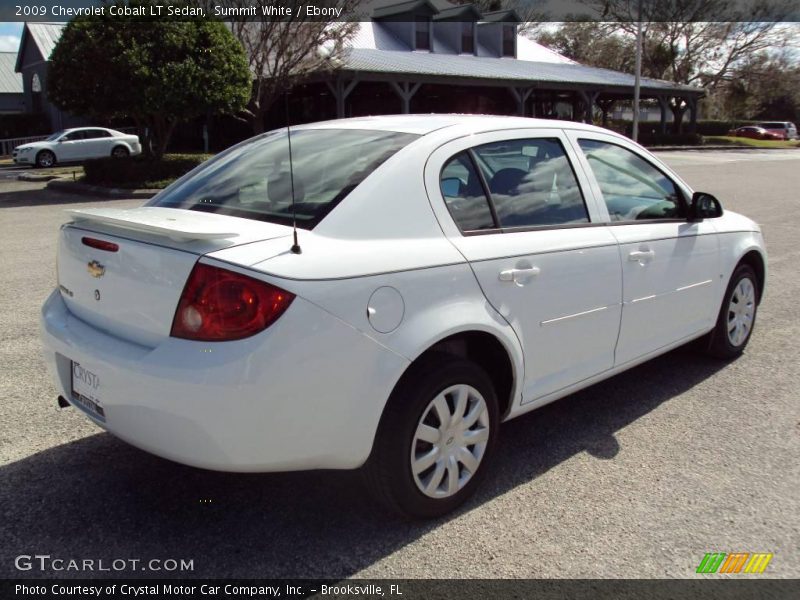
638 74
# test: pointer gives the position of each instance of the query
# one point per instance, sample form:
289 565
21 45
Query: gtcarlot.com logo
46 562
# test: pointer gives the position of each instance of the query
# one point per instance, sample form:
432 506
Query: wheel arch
755 259
499 356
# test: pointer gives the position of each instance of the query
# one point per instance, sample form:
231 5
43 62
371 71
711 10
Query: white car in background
78 144
453 272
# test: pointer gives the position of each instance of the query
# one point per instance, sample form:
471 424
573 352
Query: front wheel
435 438
737 316
45 159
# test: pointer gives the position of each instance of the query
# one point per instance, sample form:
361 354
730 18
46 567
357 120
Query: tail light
220 305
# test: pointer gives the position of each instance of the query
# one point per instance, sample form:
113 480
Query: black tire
45 159
120 152
388 472
718 343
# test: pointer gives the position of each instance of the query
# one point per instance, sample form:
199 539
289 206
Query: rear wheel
45 159
737 316
435 437
120 152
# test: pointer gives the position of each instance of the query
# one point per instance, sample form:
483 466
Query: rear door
670 266
512 204
97 143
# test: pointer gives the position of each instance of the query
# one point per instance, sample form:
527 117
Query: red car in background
785 129
756 133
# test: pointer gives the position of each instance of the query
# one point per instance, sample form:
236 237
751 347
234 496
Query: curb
36 178
75 187
710 147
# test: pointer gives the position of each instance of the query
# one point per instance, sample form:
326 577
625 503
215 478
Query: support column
588 98
692 101
606 105
341 91
663 105
405 91
521 96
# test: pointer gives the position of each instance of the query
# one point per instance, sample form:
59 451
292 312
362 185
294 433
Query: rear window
252 180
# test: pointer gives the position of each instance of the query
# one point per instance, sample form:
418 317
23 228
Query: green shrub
140 171
670 139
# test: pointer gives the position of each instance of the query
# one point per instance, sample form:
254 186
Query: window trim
678 188
470 152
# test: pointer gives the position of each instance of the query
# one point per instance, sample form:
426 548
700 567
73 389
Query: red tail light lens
220 305
100 244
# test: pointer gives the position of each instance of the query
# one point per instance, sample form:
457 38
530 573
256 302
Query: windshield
253 180
54 136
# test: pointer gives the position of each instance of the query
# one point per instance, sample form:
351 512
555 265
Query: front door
525 227
670 266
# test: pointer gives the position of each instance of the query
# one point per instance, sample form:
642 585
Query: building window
468 38
422 34
509 40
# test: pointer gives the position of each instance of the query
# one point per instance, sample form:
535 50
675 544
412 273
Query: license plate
85 391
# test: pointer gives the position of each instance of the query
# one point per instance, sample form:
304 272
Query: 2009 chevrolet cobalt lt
451 272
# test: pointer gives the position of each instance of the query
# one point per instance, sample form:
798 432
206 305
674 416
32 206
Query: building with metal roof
35 47
425 56
11 95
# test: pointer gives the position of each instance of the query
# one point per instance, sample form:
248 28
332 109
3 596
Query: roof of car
424 124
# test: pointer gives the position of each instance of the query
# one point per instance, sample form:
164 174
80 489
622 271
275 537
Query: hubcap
46 160
450 441
741 311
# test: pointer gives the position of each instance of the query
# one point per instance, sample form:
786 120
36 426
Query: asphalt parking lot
637 477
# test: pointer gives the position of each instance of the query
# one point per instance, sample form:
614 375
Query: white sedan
73 145
448 273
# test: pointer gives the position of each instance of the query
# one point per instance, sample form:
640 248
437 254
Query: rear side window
253 179
531 183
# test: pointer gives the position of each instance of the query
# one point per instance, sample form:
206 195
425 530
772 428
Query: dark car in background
755 132
785 129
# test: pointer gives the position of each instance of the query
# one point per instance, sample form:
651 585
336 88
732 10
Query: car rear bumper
306 393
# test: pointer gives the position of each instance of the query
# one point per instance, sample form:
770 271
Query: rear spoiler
175 223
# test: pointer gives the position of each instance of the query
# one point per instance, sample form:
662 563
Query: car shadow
100 498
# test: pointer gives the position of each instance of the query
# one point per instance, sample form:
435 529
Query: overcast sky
9 36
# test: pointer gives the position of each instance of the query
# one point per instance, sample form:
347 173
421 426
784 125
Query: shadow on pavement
100 498
45 197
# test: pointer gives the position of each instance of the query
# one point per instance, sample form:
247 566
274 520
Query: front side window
531 183
632 188
73 136
422 34
464 196
253 180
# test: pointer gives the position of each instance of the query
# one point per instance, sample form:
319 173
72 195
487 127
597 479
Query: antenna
295 246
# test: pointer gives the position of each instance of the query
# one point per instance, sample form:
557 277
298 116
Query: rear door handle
641 255
515 275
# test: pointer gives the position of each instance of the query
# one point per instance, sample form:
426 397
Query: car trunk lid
123 270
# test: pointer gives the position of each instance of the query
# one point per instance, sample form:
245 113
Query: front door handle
641 255
518 276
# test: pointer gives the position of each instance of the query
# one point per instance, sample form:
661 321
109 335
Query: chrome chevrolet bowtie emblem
96 269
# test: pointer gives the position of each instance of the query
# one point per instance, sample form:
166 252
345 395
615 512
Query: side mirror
704 206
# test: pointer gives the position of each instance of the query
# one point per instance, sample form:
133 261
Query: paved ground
636 477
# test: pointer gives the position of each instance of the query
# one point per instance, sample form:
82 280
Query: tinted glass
633 189
74 136
422 32
467 38
509 40
253 179
464 196
93 134
532 183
